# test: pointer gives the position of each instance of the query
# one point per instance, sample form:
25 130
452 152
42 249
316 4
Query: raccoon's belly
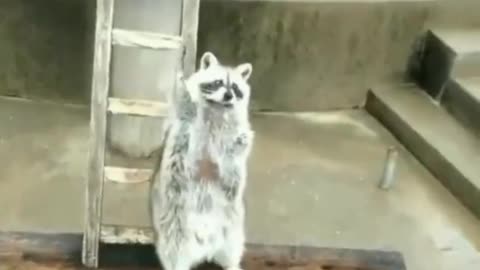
207 236
207 223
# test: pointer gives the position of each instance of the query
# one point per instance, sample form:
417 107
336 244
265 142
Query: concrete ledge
314 55
435 65
462 100
437 140
448 53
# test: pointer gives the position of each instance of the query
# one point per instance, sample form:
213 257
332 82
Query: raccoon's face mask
220 85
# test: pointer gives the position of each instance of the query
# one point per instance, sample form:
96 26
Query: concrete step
448 53
461 98
438 141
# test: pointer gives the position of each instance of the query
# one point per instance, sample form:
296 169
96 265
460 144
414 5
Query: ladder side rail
98 129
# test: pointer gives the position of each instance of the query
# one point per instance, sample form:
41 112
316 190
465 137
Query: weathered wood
137 107
146 40
279 255
98 130
190 14
127 175
41 246
142 74
113 234
307 258
65 248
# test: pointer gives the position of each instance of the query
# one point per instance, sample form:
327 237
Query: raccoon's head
221 86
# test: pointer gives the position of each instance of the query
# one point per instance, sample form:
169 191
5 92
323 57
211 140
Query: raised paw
244 138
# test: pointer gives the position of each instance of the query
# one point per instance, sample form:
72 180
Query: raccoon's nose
228 96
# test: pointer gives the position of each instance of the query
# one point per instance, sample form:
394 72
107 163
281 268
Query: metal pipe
388 175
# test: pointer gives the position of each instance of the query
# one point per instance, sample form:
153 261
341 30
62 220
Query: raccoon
197 205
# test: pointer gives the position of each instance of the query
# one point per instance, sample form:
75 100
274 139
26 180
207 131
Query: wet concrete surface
313 181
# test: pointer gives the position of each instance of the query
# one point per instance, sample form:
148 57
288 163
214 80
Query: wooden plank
305 257
190 14
41 246
146 40
127 175
278 255
113 234
98 130
137 107
66 248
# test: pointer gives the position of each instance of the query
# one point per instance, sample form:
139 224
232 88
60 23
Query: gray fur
197 191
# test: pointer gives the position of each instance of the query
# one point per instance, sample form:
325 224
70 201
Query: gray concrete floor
312 182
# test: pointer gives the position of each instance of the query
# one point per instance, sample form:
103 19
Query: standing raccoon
197 192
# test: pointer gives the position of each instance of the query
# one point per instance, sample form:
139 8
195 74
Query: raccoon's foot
228 260
176 258
230 255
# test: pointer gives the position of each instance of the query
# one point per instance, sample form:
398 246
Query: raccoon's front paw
245 138
241 143
241 140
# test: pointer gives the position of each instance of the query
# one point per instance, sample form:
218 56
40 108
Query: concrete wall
43 52
306 56
456 13
313 56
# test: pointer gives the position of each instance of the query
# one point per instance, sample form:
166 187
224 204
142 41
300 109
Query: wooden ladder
105 36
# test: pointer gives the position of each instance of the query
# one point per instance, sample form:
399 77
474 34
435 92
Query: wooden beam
66 248
330 258
114 234
127 175
137 107
190 14
336 258
98 130
41 246
146 40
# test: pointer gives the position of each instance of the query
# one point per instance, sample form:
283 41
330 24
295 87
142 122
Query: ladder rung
127 175
137 107
148 40
115 234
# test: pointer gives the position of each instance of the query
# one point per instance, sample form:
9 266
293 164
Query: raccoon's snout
228 96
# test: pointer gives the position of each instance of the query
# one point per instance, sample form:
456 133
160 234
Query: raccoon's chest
211 162
206 166
210 157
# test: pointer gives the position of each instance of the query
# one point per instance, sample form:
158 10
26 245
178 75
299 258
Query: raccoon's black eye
211 86
237 91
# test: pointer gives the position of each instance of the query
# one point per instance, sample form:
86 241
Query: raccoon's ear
245 70
207 60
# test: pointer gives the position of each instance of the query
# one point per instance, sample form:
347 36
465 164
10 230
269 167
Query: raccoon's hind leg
174 246
230 254
179 257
